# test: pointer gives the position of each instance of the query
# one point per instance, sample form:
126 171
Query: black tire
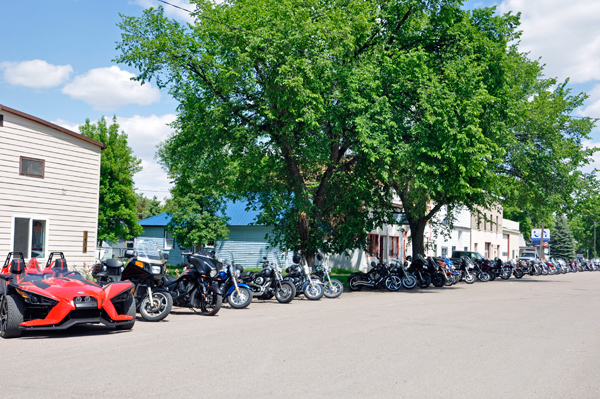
314 294
409 282
438 281
242 300
469 278
492 275
352 283
518 273
130 306
505 275
211 304
333 290
12 309
426 282
286 293
393 283
162 303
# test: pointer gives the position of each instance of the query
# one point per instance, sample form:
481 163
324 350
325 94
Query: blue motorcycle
239 295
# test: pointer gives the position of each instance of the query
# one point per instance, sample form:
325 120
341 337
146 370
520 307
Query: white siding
67 196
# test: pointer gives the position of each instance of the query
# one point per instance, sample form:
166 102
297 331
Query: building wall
67 196
486 229
248 246
511 229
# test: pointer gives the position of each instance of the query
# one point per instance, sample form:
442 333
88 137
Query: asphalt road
530 338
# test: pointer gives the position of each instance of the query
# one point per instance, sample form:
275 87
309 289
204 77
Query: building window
475 249
373 244
168 240
30 237
497 224
444 252
484 222
32 167
453 248
467 248
394 248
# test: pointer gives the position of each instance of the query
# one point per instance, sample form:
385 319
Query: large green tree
117 217
319 112
148 207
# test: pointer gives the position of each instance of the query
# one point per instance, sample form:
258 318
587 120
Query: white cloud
37 74
67 125
152 181
566 34
171 11
107 89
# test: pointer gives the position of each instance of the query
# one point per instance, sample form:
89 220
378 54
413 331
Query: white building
458 238
49 189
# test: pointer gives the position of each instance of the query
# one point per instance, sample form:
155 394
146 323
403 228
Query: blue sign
536 235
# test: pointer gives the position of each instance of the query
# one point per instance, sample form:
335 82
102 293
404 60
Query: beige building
511 237
486 232
49 189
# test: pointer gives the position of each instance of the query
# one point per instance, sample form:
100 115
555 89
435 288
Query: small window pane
32 167
38 239
168 240
21 236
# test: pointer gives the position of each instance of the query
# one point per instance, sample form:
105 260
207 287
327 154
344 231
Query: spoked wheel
409 282
211 303
333 289
393 283
240 300
505 275
156 308
469 278
11 316
313 292
438 281
285 293
484 276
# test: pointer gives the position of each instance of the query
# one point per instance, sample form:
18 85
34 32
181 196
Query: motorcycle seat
169 279
247 275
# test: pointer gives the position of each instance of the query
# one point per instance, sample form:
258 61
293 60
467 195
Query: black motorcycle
145 269
269 282
197 287
299 275
374 278
418 268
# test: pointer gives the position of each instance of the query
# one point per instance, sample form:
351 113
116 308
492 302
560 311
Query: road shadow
81 330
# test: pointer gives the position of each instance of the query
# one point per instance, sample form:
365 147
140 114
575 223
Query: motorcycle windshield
148 250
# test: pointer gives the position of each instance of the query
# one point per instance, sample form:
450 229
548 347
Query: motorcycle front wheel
438 281
156 308
286 293
409 282
505 275
333 289
211 303
425 282
313 292
240 300
469 278
393 283
484 276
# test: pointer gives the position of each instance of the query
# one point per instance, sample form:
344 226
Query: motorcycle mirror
264 257
165 256
319 257
182 248
373 264
130 253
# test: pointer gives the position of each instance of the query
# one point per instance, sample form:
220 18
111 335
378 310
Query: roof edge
52 126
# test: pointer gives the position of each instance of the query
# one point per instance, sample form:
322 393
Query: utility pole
594 239
542 242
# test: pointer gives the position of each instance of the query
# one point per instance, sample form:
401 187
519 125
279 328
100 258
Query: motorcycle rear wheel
156 308
333 289
352 283
286 293
241 300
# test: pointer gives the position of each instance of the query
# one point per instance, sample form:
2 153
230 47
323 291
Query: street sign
579 256
536 234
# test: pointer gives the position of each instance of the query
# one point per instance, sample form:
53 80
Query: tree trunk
417 234
304 233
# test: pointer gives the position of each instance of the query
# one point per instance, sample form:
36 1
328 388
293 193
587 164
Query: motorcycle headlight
213 272
156 270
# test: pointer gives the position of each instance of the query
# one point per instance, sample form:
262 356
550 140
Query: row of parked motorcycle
439 272
207 281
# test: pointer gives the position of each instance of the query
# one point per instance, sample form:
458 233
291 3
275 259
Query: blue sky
56 64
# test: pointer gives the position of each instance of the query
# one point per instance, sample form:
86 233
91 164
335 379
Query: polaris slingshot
55 298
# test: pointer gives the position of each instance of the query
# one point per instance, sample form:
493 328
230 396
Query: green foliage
563 244
194 221
317 112
148 207
585 213
117 217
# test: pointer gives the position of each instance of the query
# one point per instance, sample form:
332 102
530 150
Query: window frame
373 251
21 173
30 229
